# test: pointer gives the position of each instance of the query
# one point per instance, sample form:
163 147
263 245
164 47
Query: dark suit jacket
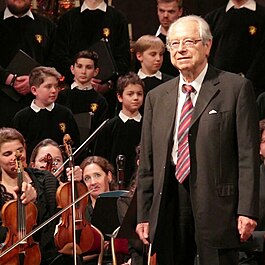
224 149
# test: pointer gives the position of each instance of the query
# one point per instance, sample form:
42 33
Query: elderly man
199 163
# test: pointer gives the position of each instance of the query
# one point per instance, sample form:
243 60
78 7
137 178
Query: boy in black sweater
88 106
149 51
122 133
44 118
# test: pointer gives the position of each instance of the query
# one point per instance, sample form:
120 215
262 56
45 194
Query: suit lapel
208 89
166 109
170 103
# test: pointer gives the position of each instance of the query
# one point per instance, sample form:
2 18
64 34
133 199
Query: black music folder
21 64
105 214
107 66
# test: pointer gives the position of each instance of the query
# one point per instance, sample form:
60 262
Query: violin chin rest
68 249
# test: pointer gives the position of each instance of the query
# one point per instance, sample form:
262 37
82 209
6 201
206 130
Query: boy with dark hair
44 118
88 106
122 133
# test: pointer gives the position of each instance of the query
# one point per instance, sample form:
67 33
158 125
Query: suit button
160 193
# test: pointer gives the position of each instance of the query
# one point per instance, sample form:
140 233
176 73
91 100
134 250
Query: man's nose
165 14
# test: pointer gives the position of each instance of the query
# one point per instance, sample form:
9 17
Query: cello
19 219
75 235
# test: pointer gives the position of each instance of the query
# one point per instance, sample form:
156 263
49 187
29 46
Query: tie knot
188 88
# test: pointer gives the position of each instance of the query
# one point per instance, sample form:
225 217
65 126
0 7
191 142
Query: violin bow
84 144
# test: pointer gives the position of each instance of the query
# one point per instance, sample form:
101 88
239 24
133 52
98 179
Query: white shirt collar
75 85
250 4
8 14
142 75
37 108
125 118
197 83
102 6
158 31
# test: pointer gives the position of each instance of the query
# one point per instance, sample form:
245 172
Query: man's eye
188 42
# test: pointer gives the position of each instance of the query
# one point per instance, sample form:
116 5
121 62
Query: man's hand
142 230
245 227
22 85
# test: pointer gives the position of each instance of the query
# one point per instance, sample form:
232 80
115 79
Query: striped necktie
183 154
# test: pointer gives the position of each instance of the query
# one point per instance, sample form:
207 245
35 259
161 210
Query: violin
19 219
75 235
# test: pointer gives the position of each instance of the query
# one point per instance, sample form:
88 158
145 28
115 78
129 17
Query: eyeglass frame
191 43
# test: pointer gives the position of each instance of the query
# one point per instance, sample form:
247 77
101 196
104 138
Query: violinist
38 186
38 160
98 174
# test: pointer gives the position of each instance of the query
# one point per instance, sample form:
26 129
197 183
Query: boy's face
132 98
84 70
47 92
151 60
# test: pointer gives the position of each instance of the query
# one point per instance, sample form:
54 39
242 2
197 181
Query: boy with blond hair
149 51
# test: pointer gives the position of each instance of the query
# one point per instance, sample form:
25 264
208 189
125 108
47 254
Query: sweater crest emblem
252 30
62 127
93 107
106 32
39 38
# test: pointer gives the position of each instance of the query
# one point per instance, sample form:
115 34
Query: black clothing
3 75
239 42
167 67
135 246
37 126
77 31
119 138
84 101
261 105
36 38
152 82
253 251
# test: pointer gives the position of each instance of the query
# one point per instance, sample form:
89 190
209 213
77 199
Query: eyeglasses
173 45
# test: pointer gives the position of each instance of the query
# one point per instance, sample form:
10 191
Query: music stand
105 214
